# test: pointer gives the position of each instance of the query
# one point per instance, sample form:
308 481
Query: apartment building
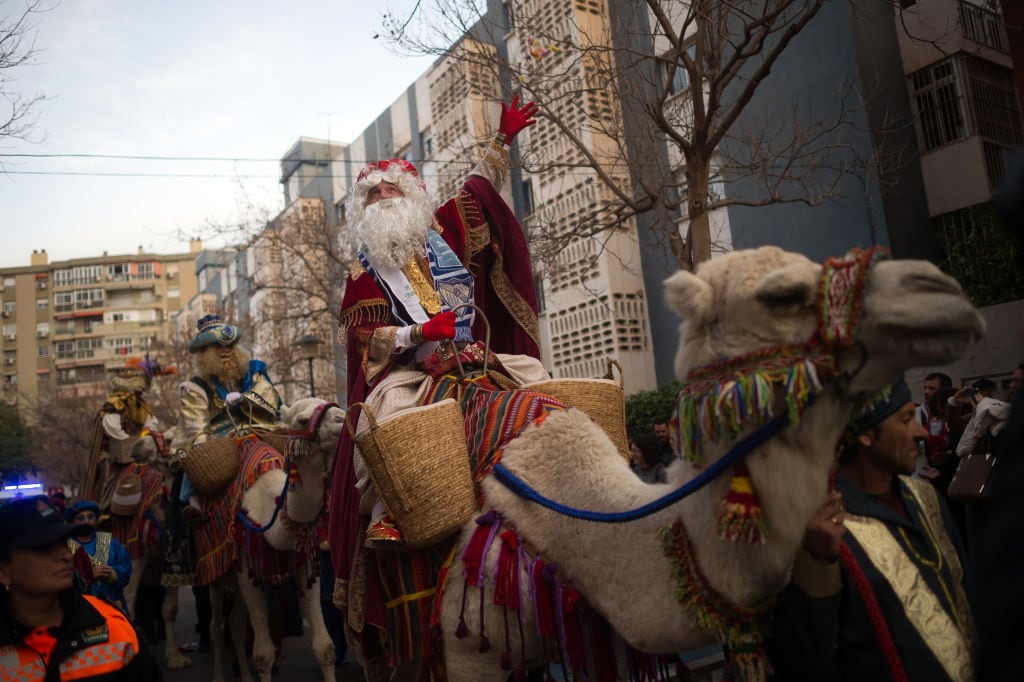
72 324
930 113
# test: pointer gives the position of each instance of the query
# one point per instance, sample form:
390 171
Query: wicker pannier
419 463
602 400
212 465
278 441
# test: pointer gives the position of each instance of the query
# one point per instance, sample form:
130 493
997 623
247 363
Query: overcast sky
221 78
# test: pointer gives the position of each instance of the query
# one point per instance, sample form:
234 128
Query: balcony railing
983 26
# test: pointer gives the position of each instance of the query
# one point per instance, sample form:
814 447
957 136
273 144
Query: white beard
393 231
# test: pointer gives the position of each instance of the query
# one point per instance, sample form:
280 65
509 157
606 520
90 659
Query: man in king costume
229 384
877 591
414 267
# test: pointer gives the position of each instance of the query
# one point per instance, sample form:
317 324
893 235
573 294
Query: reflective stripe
97 660
32 670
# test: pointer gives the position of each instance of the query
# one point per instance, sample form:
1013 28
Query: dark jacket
94 642
821 629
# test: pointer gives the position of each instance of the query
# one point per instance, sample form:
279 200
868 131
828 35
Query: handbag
973 477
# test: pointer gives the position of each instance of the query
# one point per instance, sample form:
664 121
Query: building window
965 96
88 298
42 329
42 304
428 143
939 103
9 307
63 302
65 350
43 351
10 331
527 198
145 271
119 272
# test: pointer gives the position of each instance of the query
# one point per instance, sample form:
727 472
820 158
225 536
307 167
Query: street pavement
296 663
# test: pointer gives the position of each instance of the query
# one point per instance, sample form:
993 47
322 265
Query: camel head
911 315
331 422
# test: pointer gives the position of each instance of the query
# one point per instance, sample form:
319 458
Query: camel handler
121 430
229 387
413 266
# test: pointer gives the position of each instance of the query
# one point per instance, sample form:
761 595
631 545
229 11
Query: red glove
441 327
514 119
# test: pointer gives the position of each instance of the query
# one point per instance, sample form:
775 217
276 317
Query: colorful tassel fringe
740 517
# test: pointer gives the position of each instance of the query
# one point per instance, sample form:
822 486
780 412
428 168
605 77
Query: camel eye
303 421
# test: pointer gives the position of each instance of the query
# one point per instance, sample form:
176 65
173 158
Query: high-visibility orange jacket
94 642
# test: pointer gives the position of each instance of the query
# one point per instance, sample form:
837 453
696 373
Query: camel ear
286 414
789 286
689 296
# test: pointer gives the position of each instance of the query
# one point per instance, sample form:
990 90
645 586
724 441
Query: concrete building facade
72 324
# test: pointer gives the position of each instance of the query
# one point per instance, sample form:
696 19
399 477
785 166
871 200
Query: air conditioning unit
7 313
9 361
42 335
10 337
41 284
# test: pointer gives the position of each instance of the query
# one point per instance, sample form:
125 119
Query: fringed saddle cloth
218 539
141 530
410 580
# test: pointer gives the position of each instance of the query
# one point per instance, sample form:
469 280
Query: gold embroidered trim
927 498
478 232
356 269
382 344
422 286
494 164
920 604
373 310
516 305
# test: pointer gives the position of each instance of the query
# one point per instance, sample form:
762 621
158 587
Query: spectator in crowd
111 565
48 629
645 454
664 435
877 591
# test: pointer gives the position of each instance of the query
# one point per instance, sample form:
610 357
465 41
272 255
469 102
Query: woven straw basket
602 400
419 463
212 465
278 441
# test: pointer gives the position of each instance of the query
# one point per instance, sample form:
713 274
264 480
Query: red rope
860 581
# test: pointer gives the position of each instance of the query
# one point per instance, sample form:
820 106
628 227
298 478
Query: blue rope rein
737 452
273 517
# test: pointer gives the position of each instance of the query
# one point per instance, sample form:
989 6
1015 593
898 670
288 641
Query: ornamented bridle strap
723 397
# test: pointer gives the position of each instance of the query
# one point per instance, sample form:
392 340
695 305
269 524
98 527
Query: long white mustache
393 231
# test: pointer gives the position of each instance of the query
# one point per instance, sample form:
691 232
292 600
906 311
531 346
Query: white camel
303 505
912 315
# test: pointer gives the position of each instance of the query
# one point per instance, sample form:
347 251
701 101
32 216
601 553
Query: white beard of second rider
393 231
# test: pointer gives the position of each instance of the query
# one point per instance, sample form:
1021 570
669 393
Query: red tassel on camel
741 517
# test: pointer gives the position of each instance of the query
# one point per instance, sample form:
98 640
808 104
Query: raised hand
514 119
441 327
